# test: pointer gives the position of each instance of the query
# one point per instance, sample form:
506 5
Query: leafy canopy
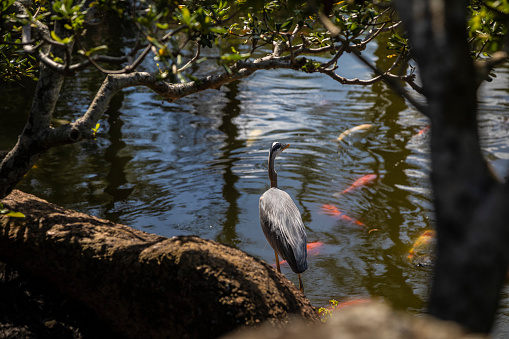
176 33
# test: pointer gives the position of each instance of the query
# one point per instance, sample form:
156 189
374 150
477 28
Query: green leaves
55 37
65 9
234 57
93 50
95 129
185 16
397 43
178 31
325 313
162 26
73 15
5 4
9 213
284 27
310 66
487 26
15 65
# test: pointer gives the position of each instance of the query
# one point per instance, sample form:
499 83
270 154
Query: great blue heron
281 221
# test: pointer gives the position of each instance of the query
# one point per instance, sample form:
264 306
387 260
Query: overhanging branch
82 128
386 77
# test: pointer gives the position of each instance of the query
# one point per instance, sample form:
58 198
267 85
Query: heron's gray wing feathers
283 227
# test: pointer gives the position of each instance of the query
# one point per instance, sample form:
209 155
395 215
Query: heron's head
277 148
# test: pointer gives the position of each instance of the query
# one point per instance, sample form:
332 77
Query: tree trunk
471 207
28 148
144 285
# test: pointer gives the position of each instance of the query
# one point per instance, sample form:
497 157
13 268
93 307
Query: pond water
198 167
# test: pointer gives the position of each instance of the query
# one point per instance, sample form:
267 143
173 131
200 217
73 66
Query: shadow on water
231 110
386 112
117 184
15 109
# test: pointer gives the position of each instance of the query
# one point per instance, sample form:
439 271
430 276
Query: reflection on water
199 165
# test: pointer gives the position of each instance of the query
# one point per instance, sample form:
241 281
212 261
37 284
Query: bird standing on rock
281 221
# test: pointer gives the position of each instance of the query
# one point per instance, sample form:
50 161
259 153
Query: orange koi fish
366 179
335 212
422 134
326 312
421 254
352 302
424 130
312 247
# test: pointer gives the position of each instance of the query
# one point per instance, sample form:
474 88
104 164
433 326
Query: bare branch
292 55
392 27
97 58
67 68
129 68
345 81
52 64
26 37
96 65
356 81
484 67
389 79
190 62
333 61
278 48
174 32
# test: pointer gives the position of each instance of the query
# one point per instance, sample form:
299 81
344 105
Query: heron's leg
277 262
301 287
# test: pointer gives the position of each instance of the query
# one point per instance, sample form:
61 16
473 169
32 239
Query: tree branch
27 150
67 68
484 67
355 81
193 59
82 128
390 80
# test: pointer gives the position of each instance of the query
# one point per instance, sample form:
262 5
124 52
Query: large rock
364 321
144 285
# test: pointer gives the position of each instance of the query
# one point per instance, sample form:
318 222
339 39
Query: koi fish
422 134
326 312
59 122
253 135
424 130
353 130
352 302
359 182
421 253
335 212
312 247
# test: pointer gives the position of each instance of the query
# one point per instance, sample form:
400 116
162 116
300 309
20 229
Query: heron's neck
272 172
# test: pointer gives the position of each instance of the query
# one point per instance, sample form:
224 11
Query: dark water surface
198 166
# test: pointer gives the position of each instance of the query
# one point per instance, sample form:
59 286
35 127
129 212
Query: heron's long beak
285 146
